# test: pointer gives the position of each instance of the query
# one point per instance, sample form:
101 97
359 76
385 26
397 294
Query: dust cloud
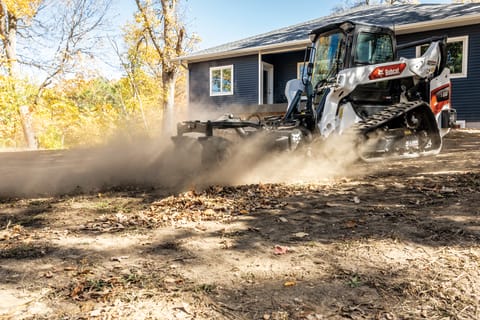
118 163
158 163
320 161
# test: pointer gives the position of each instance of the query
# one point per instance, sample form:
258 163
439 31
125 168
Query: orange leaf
79 288
278 250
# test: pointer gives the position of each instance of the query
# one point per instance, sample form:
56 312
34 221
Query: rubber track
379 119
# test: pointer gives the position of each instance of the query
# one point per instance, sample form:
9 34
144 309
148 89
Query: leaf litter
400 242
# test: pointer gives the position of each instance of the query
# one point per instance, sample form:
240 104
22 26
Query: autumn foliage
79 111
68 102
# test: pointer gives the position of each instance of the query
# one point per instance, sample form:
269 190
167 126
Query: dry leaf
278 250
209 212
200 228
76 291
4 235
301 234
119 259
290 284
447 190
170 280
334 205
96 313
48 275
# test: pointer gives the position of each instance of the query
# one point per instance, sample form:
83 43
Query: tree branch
149 28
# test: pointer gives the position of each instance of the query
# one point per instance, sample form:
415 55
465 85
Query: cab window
373 48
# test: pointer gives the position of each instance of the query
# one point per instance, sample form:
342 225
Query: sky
220 21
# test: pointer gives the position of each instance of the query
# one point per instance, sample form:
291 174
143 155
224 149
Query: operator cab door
372 45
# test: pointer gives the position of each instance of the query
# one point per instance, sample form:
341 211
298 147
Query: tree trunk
173 35
8 33
169 120
28 132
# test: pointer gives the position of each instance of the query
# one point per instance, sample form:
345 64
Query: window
301 70
457 56
221 81
373 48
329 57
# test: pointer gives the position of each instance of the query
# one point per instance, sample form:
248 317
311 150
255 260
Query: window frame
464 40
221 68
300 66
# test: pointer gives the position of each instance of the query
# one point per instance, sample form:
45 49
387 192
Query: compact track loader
354 84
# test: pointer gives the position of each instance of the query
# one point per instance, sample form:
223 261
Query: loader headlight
295 139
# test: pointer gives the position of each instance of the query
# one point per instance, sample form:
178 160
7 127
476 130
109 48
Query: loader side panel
245 82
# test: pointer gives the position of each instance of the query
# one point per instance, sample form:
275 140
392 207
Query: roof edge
271 48
278 47
434 24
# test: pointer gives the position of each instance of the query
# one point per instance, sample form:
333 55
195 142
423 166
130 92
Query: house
255 70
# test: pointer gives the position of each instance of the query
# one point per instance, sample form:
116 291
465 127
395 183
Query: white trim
438 24
260 73
464 40
187 85
290 49
465 57
229 93
271 48
269 68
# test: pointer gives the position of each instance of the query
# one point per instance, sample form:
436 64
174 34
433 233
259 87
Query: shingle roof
390 16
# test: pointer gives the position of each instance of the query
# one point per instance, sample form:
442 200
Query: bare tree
66 30
129 69
8 32
14 16
47 35
162 28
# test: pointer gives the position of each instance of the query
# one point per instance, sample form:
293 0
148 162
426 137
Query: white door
266 83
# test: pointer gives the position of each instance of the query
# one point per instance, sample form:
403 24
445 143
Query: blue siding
465 91
285 68
245 82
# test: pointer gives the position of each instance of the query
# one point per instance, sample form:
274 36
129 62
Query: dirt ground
398 240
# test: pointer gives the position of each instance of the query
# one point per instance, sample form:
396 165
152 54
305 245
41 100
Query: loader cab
350 45
346 45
